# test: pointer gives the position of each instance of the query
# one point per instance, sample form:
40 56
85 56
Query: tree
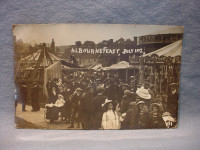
78 43
89 44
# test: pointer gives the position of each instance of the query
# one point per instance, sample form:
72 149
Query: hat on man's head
127 92
132 77
100 89
173 85
79 89
88 88
143 93
106 102
126 85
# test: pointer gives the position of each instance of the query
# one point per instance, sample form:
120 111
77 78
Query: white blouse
110 120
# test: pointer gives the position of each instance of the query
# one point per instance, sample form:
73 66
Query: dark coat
86 103
131 120
97 111
86 109
23 93
35 97
35 92
112 92
75 99
48 86
145 121
172 104
125 104
52 97
157 121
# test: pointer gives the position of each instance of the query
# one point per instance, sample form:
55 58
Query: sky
68 34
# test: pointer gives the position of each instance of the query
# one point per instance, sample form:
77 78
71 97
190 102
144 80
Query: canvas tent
97 67
120 65
53 71
172 50
44 56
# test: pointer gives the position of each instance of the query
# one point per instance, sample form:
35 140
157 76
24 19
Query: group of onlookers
100 103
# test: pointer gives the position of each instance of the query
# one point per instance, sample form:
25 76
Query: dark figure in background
75 99
121 89
23 95
35 97
145 118
131 118
68 109
86 107
53 95
172 101
156 116
112 92
48 86
127 98
97 110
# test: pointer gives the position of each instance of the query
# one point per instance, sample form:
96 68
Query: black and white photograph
96 76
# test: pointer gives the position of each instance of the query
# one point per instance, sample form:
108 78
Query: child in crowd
144 119
110 119
156 116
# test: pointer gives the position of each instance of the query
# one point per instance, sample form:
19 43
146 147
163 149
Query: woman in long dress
110 119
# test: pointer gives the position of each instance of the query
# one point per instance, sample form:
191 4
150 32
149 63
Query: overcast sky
67 34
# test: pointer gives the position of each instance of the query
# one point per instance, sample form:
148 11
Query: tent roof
97 67
172 50
41 58
35 56
120 65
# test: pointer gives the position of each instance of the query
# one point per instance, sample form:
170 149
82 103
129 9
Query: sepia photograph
96 76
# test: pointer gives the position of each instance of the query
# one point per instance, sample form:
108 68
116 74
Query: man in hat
112 91
127 98
122 88
48 86
143 94
75 99
35 96
23 95
172 101
97 110
86 107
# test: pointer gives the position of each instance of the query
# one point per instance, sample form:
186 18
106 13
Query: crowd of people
94 101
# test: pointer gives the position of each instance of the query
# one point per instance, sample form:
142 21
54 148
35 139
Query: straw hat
143 93
166 114
106 102
79 89
59 95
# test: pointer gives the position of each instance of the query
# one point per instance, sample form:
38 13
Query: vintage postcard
96 76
